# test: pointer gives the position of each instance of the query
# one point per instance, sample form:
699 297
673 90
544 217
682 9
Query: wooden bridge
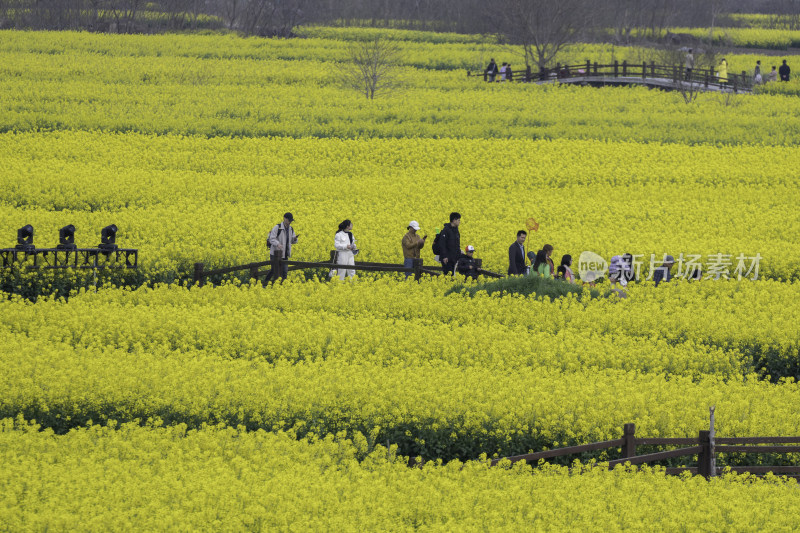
671 78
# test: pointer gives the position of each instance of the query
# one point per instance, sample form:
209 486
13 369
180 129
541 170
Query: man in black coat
516 254
784 71
450 240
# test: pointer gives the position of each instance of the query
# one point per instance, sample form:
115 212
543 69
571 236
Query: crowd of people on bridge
454 260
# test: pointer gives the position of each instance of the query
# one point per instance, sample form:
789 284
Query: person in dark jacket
491 71
784 71
466 263
663 273
450 243
516 255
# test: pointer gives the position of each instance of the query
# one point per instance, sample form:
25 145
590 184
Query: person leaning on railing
412 244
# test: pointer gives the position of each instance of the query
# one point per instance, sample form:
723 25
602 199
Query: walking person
346 250
491 71
617 277
279 242
509 73
722 71
689 65
664 273
412 244
450 243
757 73
516 255
543 264
784 71
503 71
564 271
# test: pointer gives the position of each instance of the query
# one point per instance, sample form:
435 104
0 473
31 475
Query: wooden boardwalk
665 77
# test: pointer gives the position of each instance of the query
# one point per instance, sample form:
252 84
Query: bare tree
372 66
541 27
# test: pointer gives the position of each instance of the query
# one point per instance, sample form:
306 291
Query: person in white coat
346 249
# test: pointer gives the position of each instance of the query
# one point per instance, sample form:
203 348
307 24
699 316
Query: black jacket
516 261
467 266
450 242
784 72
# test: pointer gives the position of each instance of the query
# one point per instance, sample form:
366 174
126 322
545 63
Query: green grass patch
527 285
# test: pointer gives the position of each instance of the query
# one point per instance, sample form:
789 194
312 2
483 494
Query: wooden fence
705 446
277 263
674 74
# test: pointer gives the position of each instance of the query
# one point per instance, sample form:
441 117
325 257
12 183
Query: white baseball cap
470 248
414 225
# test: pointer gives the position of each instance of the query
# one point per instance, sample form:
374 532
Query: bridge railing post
588 67
528 73
616 68
595 68
652 69
644 70
625 68
558 70
198 274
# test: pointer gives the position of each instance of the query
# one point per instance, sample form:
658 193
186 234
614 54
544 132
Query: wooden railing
276 264
706 447
588 70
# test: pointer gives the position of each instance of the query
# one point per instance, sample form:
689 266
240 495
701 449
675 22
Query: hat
669 259
414 225
469 248
289 217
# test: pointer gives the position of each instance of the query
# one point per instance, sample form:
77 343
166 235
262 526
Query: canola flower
180 200
174 478
459 389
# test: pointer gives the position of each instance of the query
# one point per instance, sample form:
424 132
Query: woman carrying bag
346 249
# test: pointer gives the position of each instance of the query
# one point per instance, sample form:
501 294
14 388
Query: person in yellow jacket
412 244
722 71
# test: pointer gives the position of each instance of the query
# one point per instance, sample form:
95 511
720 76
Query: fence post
704 458
485 75
625 68
629 436
644 70
675 74
734 82
744 79
558 70
275 266
616 68
588 67
417 266
708 74
253 271
652 69
595 68
197 277
528 73
712 435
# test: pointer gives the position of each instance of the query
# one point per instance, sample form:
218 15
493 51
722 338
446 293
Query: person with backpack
447 244
279 242
346 250
491 71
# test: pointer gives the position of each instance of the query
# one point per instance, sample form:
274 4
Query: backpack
436 248
269 244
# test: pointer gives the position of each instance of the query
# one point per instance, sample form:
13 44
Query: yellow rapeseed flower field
156 405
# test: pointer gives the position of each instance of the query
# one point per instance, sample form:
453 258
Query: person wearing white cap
663 272
412 244
466 264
